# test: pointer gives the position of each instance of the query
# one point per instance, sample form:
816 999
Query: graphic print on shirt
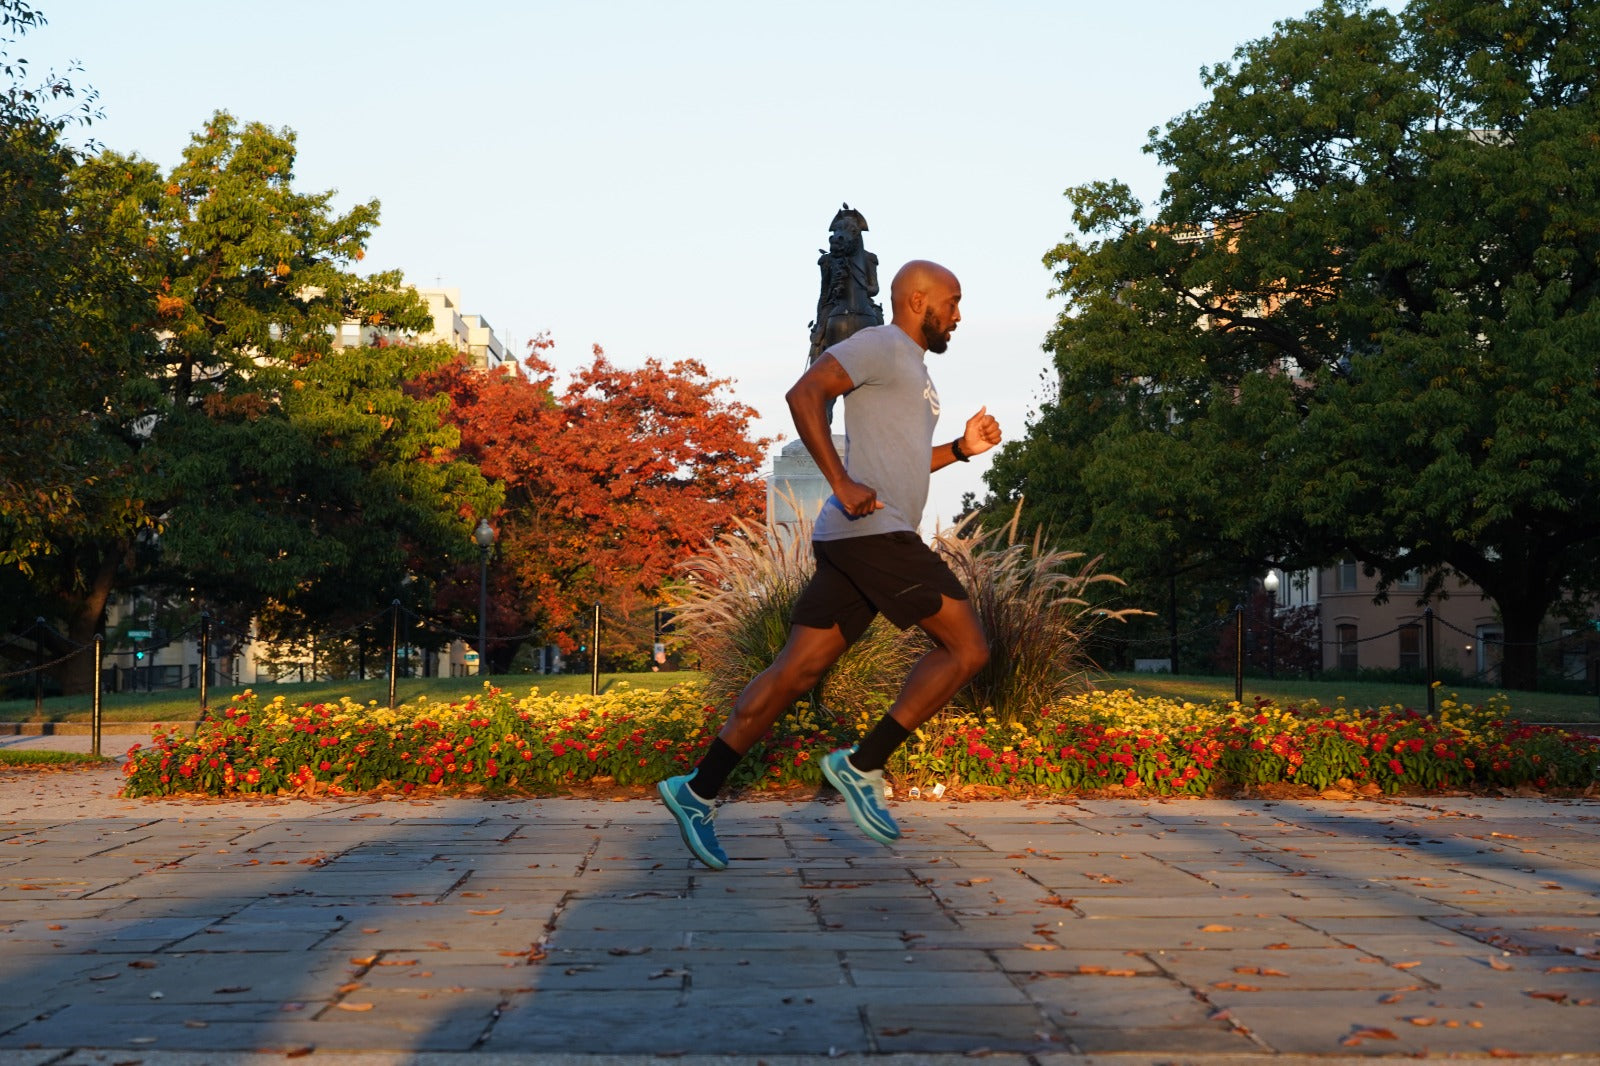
931 394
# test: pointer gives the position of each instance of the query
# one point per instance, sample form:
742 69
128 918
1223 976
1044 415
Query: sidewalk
576 931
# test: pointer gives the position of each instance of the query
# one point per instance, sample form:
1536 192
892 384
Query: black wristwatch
955 450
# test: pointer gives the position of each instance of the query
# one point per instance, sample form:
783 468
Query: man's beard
938 339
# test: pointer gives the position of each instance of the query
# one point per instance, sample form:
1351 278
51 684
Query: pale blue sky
658 177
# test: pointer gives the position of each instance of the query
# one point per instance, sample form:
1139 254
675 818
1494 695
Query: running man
869 557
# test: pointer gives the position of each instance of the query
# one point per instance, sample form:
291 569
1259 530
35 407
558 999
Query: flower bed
541 744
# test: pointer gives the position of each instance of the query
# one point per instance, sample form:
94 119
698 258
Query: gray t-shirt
889 418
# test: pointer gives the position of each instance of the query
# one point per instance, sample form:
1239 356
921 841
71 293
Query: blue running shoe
694 817
863 793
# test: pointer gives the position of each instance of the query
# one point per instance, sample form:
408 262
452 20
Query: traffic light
138 654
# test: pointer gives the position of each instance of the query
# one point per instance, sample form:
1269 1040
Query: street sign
139 634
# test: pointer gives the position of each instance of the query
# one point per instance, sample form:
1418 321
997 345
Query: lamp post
484 536
1270 583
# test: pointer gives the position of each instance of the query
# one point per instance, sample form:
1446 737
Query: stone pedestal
797 490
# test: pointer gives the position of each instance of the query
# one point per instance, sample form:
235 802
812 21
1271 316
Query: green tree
1361 319
250 460
66 337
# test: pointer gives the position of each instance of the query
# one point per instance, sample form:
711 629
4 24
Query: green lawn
30 757
183 705
1528 706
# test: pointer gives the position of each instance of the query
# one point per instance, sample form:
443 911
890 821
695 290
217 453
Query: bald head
926 300
919 275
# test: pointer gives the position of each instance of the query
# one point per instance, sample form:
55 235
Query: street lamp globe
1270 583
484 534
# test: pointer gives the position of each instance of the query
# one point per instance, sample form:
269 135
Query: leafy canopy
1361 319
611 481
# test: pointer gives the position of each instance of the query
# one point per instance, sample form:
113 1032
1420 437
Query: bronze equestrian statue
849 282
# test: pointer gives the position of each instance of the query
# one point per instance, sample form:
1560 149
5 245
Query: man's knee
973 656
808 654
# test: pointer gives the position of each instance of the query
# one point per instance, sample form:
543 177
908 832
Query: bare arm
808 399
982 432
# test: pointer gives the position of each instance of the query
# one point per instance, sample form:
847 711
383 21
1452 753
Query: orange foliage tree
611 481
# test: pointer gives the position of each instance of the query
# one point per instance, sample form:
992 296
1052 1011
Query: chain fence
386 634
1492 647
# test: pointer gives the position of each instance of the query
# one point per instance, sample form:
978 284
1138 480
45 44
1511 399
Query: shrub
1033 602
1035 608
734 609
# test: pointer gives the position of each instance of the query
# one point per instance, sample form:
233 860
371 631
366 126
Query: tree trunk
1172 618
1519 667
85 616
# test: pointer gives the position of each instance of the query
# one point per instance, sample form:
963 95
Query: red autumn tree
610 482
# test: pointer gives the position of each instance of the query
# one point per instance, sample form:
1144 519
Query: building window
1411 647
1344 576
1348 657
1411 579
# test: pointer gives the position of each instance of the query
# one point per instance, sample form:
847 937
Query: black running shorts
893 574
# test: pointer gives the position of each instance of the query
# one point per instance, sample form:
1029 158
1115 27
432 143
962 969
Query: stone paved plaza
581 931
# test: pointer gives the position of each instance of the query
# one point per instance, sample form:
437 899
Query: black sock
875 748
715 766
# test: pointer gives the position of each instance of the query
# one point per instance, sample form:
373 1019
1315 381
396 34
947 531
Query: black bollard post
1238 653
38 669
205 660
94 703
594 655
1427 636
394 648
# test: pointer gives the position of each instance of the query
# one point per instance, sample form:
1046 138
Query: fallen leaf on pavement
1356 1037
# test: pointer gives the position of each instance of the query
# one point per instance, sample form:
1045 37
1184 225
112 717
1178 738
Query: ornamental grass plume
734 609
1035 608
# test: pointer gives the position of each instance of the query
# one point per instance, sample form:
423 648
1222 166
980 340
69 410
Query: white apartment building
469 334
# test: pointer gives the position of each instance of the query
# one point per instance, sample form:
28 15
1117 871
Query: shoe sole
680 816
862 824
